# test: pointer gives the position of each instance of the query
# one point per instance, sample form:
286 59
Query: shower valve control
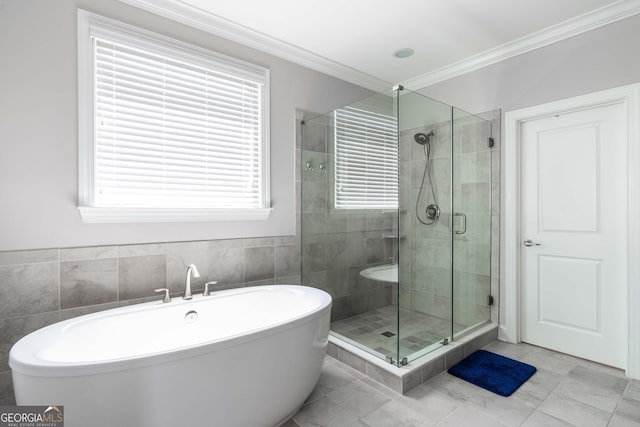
433 212
529 242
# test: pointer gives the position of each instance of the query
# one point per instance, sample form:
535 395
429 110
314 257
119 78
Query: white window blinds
168 131
366 160
174 134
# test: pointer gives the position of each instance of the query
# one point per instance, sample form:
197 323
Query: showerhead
423 138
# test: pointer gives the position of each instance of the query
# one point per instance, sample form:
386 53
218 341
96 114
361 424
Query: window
168 131
366 160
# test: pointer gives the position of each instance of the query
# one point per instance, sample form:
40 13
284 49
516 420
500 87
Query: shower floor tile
373 329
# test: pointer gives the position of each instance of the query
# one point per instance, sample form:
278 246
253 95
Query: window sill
92 214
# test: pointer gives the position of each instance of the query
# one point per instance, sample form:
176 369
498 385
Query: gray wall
53 267
38 128
599 59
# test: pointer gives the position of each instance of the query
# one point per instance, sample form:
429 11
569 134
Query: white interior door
574 213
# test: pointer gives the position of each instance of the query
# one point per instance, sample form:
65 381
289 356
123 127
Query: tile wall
337 245
41 287
425 250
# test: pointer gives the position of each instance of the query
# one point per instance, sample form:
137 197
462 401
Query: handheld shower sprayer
423 138
432 211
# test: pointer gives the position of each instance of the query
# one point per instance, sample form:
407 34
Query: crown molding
564 30
177 10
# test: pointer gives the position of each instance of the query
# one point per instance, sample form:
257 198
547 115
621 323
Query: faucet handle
206 287
166 298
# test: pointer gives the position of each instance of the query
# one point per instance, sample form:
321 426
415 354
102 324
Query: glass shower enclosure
396 221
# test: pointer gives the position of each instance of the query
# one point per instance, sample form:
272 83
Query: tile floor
565 391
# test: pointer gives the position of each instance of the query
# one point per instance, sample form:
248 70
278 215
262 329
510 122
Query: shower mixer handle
166 297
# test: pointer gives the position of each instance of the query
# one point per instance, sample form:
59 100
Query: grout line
617 404
59 276
118 276
530 415
451 413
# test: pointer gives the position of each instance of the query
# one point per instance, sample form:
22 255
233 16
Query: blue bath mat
493 372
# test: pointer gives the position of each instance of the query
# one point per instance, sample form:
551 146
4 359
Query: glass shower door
349 203
471 221
425 242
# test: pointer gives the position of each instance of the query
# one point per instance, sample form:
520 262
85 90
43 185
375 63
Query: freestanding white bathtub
246 357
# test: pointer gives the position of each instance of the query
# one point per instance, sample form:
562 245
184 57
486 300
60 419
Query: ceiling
355 39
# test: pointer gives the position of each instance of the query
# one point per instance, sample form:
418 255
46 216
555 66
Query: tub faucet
187 289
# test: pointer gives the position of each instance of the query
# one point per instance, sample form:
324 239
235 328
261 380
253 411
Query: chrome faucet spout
191 269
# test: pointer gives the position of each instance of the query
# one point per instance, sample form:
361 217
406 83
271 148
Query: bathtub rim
35 366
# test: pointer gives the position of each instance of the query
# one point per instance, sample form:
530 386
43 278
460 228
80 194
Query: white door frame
510 326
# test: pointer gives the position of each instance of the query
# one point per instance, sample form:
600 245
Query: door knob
529 242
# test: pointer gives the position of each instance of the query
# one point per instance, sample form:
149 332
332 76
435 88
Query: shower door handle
464 223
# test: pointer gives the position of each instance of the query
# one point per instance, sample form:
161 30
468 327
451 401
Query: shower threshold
402 379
